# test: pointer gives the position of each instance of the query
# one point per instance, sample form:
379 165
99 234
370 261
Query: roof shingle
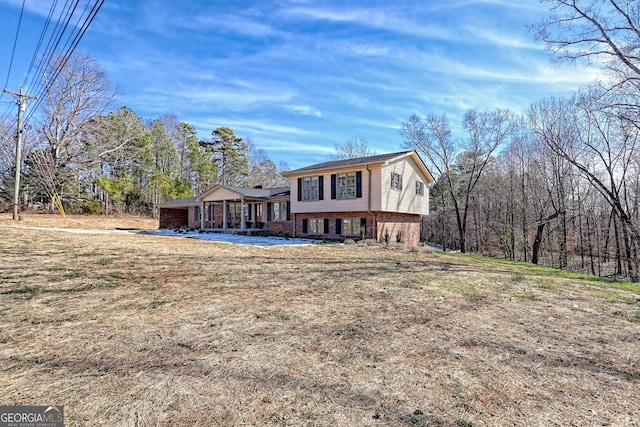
332 164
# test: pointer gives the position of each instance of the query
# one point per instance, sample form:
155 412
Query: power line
65 58
15 43
40 40
52 45
39 82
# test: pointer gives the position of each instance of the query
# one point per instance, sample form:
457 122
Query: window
346 185
279 211
197 213
419 188
311 188
353 226
396 181
316 226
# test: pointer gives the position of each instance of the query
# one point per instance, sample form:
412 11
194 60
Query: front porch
226 209
233 215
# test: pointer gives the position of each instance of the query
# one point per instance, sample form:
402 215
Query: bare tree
352 148
80 93
459 164
587 28
601 32
262 170
602 147
7 156
43 173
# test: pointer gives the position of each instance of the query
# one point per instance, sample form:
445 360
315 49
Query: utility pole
21 99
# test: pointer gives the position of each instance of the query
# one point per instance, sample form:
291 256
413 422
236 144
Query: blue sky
298 76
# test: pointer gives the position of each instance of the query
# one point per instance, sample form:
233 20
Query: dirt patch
147 330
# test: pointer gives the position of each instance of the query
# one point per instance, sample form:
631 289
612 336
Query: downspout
373 215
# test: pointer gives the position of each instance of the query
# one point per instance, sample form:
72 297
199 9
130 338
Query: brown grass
139 330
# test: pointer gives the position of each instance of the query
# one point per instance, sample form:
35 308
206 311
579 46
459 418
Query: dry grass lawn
140 330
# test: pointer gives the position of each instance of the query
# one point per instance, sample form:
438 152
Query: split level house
381 197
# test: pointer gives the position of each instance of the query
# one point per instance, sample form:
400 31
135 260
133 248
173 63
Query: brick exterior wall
397 226
280 228
391 227
193 221
173 218
332 217
394 227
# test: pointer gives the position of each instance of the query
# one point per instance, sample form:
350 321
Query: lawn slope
165 331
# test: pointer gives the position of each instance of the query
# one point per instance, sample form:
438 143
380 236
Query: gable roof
254 193
362 161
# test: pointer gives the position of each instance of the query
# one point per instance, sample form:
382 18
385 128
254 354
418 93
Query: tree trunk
535 251
536 243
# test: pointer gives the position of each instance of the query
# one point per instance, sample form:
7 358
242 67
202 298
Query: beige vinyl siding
221 194
383 198
405 200
329 204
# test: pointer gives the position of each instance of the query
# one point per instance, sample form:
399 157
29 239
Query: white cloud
372 18
235 24
303 110
498 38
39 7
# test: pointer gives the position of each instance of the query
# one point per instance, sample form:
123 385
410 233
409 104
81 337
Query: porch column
265 215
243 210
224 214
202 213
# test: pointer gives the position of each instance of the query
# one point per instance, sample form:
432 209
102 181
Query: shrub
386 238
93 207
368 242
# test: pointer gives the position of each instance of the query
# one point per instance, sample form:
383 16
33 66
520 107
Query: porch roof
226 192
179 203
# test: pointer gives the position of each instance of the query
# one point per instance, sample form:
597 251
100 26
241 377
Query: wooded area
101 161
557 184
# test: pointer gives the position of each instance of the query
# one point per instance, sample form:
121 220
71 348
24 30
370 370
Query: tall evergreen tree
230 153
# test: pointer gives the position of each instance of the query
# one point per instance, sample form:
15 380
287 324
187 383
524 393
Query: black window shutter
305 225
333 186
338 226
321 187
326 225
299 189
288 211
269 211
359 184
363 224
